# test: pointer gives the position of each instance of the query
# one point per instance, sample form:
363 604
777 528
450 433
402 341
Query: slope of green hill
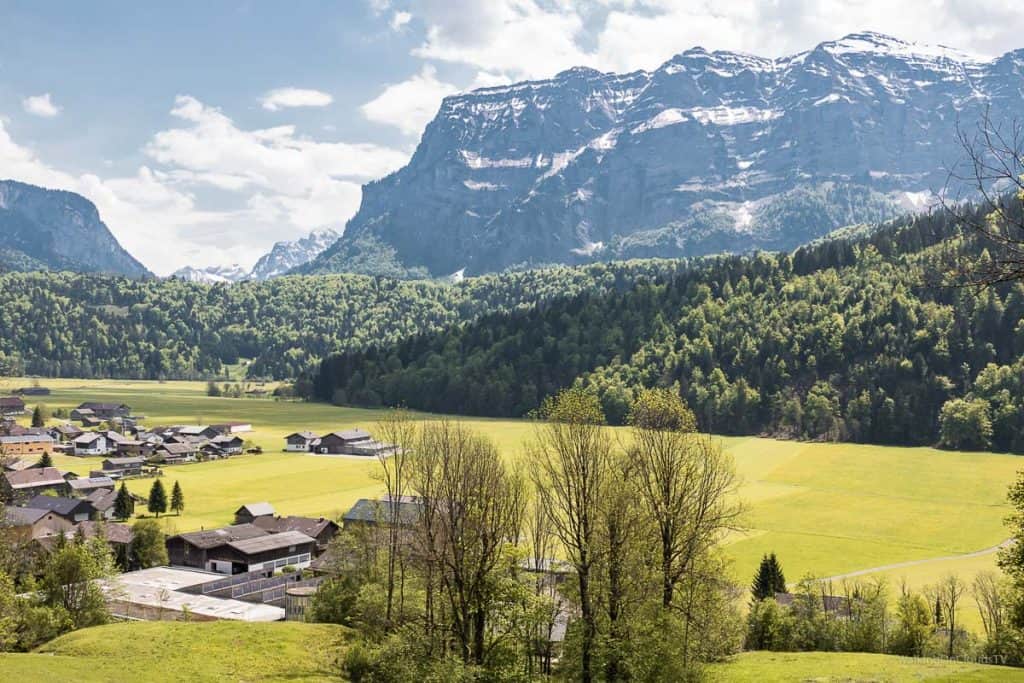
175 651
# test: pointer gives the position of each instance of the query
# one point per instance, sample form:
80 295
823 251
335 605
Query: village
258 566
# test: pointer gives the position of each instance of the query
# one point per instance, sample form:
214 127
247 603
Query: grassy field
829 667
825 509
174 651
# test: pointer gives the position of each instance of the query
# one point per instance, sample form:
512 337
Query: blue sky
205 131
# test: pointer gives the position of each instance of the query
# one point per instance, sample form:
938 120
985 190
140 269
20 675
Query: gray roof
27 438
351 435
125 461
218 537
259 544
177 448
86 483
257 509
102 499
62 506
23 516
89 437
308 436
377 511
311 526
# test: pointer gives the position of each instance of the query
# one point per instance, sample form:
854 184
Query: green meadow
825 509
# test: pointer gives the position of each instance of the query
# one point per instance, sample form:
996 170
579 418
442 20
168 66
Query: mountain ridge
587 164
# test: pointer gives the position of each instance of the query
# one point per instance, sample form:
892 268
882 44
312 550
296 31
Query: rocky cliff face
44 229
285 256
712 151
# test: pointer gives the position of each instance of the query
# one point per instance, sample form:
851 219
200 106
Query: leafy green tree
124 505
70 581
177 499
157 498
769 578
148 546
965 425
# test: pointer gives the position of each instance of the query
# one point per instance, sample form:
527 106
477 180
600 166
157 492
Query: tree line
78 325
857 338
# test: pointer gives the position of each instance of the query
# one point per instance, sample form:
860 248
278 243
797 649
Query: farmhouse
263 553
11 405
28 524
342 442
33 391
252 511
300 442
191 549
103 500
73 510
22 485
26 444
136 448
368 512
66 432
91 443
320 529
83 486
197 431
176 453
123 467
228 443
104 411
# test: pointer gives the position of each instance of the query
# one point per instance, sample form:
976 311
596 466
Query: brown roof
102 499
218 537
37 476
115 533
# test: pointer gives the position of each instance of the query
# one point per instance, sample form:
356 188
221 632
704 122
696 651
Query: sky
206 131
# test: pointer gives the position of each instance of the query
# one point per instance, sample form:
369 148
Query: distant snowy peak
285 256
212 275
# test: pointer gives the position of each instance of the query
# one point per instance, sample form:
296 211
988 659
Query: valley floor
825 509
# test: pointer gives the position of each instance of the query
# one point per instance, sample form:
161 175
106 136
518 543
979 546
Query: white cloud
40 105
400 19
538 38
282 98
271 184
411 104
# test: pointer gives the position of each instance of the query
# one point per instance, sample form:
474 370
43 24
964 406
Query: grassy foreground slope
826 509
828 667
174 651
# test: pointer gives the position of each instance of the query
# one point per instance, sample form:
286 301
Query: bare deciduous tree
990 177
570 457
398 428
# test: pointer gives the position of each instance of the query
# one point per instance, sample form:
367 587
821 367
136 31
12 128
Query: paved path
914 563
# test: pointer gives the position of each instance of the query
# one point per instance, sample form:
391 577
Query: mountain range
283 257
710 152
45 229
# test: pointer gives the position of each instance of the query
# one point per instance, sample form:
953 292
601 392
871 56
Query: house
342 442
318 528
83 486
66 432
103 500
228 443
91 443
118 536
92 422
18 487
11 405
72 509
233 427
197 431
81 414
300 442
104 411
176 453
26 524
264 553
368 512
191 549
26 444
136 448
123 467
247 513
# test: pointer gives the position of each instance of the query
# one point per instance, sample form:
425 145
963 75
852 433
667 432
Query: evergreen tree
769 579
157 498
46 460
177 499
38 419
124 506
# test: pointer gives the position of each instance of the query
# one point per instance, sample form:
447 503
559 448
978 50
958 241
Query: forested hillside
845 339
71 325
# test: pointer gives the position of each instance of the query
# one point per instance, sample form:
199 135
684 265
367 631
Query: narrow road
914 563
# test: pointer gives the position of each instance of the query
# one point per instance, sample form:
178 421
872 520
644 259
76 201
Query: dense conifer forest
854 338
